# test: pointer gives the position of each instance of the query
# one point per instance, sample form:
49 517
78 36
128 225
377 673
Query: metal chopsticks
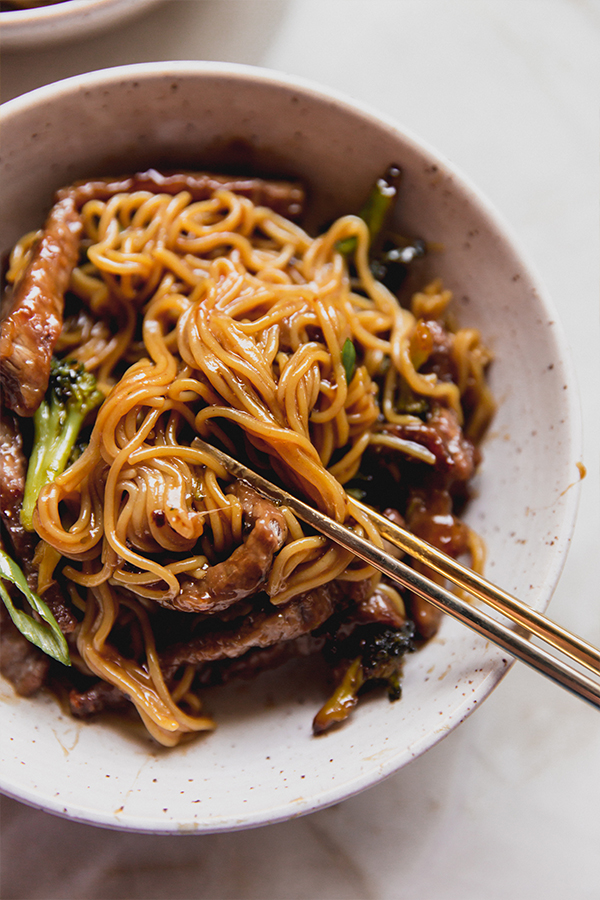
537 624
516 644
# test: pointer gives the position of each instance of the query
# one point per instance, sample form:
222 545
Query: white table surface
507 806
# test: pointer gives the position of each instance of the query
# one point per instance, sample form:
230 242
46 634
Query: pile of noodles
225 320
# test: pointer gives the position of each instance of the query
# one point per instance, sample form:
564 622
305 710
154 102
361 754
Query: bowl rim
61 10
57 10
195 69
37 25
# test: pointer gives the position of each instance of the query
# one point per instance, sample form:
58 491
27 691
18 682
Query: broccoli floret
372 655
382 650
71 395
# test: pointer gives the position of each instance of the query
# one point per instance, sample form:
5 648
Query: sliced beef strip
459 454
262 628
262 640
425 615
429 508
95 699
21 662
13 471
54 599
284 197
397 519
32 324
103 696
440 359
259 660
456 456
380 608
430 517
245 570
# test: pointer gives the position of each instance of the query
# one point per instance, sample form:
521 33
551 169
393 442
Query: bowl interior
262 764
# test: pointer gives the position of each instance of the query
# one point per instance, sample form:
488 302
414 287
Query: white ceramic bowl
262 764
68 20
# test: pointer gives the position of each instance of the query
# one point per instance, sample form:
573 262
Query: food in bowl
260 765
159 307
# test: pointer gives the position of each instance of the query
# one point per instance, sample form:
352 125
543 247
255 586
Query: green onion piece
375 211
356 492
48 637
349 359
347 246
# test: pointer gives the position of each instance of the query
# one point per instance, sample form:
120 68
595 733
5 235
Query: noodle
223 319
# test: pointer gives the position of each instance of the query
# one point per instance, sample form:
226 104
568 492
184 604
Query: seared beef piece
397 519
263 640
242 573
358 591
429 507
102 696
261 628
456 456
13 470
54 599
98 697
379 607
430 517
33 322
440 359
284 197
394 516
425 615
21 663
255 661
368 605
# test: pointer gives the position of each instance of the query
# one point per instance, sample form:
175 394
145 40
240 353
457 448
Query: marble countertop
507 806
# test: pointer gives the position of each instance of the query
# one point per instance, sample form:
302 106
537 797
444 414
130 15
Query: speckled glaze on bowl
262 764
65 21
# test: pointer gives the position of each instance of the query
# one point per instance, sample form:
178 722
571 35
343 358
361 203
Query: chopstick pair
515 643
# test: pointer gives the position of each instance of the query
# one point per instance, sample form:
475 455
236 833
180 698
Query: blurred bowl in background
262 764
65 20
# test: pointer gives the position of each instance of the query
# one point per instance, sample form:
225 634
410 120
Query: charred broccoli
71 395
373 654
